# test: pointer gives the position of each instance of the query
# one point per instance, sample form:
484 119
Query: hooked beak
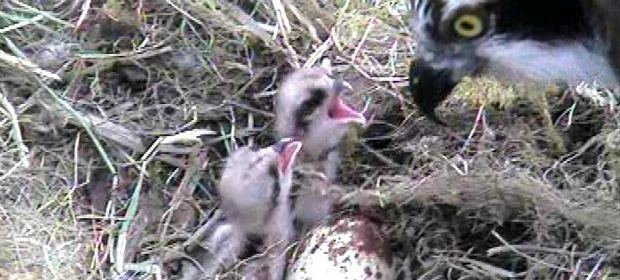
340 111
287 150
429 87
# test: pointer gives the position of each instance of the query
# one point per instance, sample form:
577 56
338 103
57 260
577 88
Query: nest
116 116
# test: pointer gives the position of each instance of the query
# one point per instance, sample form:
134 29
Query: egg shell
351 247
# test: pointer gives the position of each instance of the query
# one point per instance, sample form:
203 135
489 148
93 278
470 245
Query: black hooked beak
429 87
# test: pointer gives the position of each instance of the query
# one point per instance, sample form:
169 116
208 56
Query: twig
303 20
381 157
26 66
83 15
371 23
473 129
21 24
595 268
45 14
86 124
132 209
515 250
9 112
502 249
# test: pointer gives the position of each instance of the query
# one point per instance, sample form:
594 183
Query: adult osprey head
541 41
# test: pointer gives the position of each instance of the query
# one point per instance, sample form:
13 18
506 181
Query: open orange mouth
287 150
340 111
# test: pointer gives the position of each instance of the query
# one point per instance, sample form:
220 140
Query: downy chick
254 192
309 107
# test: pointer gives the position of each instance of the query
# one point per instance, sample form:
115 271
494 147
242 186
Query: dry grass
92 184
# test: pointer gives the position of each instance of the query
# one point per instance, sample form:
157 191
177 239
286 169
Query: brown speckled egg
349 248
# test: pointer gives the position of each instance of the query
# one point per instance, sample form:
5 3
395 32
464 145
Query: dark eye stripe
317 95
273 173
274 195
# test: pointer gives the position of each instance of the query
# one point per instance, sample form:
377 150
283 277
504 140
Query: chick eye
468 26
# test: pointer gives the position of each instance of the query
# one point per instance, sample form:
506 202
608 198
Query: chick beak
287 150
429 87
340 111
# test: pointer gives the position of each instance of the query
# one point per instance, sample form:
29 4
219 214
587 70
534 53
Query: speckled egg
349 248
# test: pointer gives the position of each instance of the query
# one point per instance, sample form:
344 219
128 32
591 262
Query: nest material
91 186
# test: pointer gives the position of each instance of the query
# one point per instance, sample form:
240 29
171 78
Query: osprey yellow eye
468 26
